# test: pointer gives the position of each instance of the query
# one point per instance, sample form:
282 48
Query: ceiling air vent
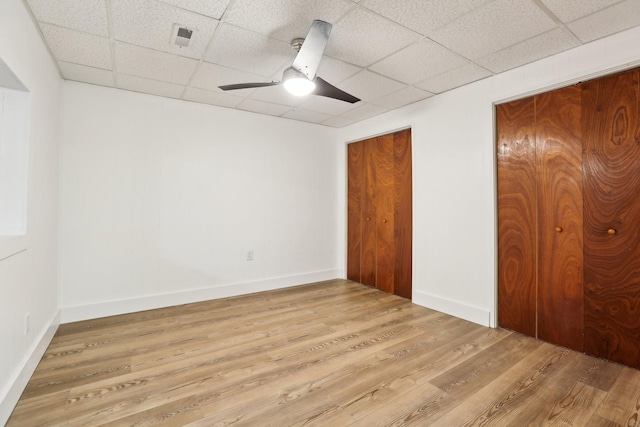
181 36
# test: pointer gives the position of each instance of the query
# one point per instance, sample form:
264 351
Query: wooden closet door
379 236
355 186
517 216
611 133
368 266
403 213
559 194
385 207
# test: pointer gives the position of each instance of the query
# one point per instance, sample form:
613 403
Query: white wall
28 278
454 209
162 199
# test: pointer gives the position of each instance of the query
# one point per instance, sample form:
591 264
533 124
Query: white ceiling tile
363 38
493 27
263 107
423 16
364 111
403 97
210 76
80 48
284 19
538 47
213 98
334 71
151 64
608 21
389 53
211 8
338 122
149 23
419 62
277 95
82 73
570 10
89 16
245 50
368 86
152 87
322 104
452 79
306 116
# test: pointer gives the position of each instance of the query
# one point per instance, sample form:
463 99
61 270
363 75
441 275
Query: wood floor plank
333 353
426 404
622 404
36 411
415 369
470 376
513 388
312 370
568 398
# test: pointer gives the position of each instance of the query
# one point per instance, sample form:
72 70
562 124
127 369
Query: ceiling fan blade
310 54
247 85
324 88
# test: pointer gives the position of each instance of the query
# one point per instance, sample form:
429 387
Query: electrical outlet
250 255
27 326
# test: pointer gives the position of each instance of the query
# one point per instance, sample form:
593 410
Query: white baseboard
459 309
16 387
131 305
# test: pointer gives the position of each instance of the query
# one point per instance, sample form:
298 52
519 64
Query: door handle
558 229
611 231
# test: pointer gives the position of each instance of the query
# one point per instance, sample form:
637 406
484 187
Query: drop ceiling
389 53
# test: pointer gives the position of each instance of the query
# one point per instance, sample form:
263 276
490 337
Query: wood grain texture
588 251
355 185
559 192
403 214
380 207
335 353
385 209
611 132
370 216
517 216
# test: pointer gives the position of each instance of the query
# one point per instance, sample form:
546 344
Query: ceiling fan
300 78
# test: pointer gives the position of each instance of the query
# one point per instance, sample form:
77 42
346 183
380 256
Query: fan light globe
297 83
299 86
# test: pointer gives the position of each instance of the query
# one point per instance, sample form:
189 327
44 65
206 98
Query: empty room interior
441 228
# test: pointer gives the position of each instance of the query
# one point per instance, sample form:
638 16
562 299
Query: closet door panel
385 204
403 213
369 207
355 168
611 132
517 216
559 192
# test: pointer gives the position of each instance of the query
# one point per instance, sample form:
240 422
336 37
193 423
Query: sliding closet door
559 200
611 137
517 216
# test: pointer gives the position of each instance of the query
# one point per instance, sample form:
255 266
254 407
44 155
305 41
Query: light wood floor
328 354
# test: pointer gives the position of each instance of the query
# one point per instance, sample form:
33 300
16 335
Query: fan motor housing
296 44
